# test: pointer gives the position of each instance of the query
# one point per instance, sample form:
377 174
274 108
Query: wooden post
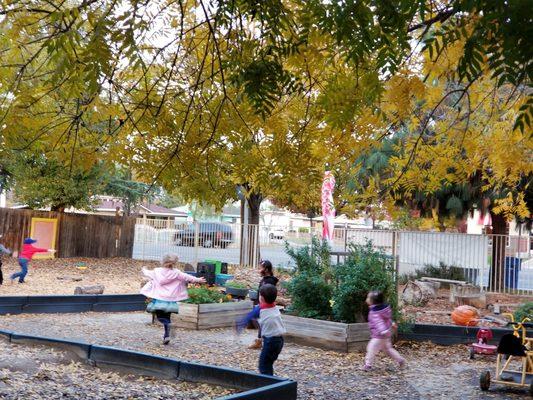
58 236
117 230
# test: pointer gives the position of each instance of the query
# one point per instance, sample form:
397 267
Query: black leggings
163 317
1 274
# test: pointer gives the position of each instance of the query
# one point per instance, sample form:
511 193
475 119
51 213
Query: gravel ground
36 373
118 275
434 372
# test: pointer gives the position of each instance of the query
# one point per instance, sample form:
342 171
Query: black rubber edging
448 334
71 304
255 386
12 304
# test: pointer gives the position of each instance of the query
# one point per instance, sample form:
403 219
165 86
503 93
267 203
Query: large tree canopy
206 95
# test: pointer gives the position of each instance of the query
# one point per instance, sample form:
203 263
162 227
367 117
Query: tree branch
440 17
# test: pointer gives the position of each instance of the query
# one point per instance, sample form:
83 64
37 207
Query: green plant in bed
236 285
524 311
206 295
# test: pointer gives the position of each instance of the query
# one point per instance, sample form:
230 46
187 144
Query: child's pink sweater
380 321
167 284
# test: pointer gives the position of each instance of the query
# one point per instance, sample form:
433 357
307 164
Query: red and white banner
328 208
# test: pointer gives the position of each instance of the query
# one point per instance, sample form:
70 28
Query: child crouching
381 330
272 328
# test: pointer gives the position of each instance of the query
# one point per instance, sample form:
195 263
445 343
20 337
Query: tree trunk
254 202
96 289
497 270
250 253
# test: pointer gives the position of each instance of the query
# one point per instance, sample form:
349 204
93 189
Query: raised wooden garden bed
208 316
346 338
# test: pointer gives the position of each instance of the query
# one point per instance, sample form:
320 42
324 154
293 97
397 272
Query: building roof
110 204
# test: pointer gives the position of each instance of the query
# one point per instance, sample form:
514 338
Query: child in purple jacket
381 329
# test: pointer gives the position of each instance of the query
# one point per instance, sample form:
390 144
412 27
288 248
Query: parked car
276 233
210 234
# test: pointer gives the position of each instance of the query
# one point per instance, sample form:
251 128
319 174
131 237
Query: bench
441 280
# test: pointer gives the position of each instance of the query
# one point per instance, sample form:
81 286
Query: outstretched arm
189 278
148 272
39 249
254 314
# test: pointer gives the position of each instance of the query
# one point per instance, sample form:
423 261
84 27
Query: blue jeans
23 262
271 348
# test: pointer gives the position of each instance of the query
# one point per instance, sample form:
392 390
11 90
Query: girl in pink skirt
167 286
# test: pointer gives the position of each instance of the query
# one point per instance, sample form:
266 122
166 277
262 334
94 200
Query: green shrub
524 311
236 285
314 258
205 295
310 287
311 295
364 270
303 230
441 271
319 292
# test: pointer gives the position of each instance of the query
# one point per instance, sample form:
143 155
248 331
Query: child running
381 329
166 287
272 328
25 256
267 277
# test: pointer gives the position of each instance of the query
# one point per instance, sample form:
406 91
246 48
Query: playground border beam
72 303
254 386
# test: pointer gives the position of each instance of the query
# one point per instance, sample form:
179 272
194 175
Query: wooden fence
79 235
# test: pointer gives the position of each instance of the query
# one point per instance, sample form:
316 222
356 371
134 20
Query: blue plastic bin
512 269
221 279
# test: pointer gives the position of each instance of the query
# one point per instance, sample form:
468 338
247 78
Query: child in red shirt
25 256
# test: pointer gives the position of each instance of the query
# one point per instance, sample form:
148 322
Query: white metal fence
509 259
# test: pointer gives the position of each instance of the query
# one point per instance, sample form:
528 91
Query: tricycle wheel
484 380
471 352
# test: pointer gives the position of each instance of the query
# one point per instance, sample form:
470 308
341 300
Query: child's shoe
166 340
367 368
256 345
402 364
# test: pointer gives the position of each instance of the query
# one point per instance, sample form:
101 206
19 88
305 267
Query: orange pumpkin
465 316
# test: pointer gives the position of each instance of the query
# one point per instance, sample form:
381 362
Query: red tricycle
482 346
